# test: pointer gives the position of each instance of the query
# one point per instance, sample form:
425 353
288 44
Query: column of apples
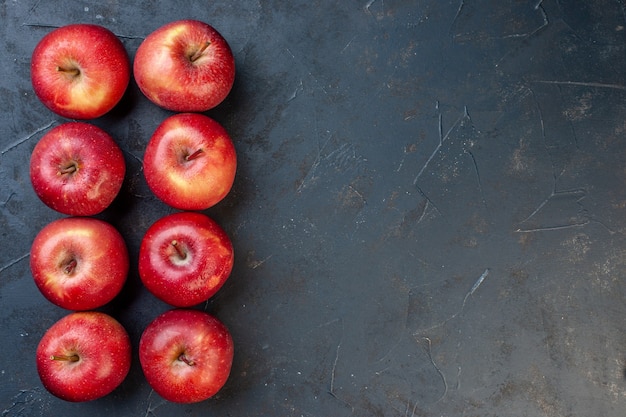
80 263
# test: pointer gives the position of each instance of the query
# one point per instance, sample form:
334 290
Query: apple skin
176 69
190 162
185 258
83 356
77 169
79 263
80 71
186 355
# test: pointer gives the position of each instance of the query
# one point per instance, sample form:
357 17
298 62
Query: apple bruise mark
94 192
195 55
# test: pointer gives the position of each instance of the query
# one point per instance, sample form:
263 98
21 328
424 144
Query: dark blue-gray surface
428 216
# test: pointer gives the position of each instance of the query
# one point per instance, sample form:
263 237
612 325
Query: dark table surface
429 213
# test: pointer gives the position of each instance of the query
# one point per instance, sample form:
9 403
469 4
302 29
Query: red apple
185 258
77 169
79 263
186 355
83 356
80 71
190 162
185 66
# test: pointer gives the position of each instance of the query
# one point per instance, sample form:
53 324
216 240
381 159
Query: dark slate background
428 215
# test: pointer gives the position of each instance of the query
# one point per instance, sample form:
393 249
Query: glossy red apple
77 169
185 258
190 162
186 355
80 71
83 356
79 263
185 66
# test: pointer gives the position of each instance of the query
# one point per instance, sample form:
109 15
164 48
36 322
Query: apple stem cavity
70 266
69 358
71 72
194 155
180 251
197 54
185 359
69 168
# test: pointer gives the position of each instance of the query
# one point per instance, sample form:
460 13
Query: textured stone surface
428 215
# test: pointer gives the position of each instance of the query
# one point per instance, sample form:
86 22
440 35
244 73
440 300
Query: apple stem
181 253
71 358
69 268
199 52
194 155
185 359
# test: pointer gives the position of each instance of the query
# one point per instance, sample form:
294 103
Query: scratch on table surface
136 158
369 4
590 84
581 193
401 164
545 22
333 370
23 403
541 121
478 180
429 202
578 193
457 15
553 228
469 293
51 26
299 88
13 262
331 388
583 217
6 201
442 139
20 141
538 7
256 264
32 9
341 158
475 164
121 35
309 73
348 44
41 25
420 338
310 175
477 284
150 409
428 349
